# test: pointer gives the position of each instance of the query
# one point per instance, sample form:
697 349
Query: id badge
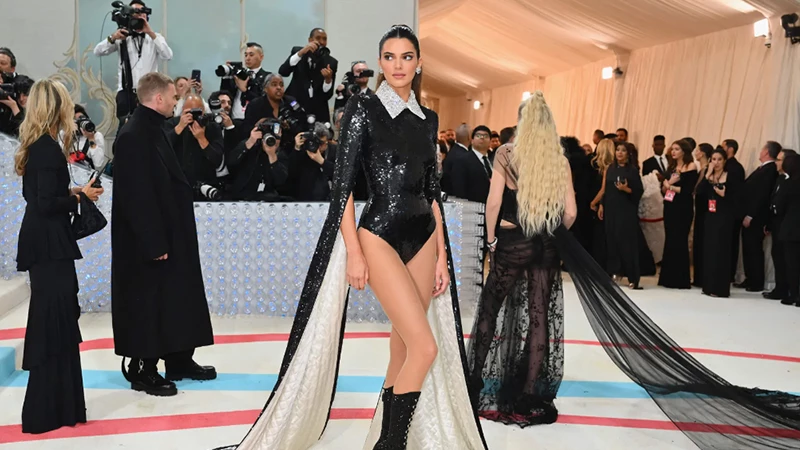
712 206
669 196
261 187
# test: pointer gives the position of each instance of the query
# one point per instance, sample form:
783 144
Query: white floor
764 335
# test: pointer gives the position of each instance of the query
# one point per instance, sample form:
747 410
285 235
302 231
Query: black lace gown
678 215
516 354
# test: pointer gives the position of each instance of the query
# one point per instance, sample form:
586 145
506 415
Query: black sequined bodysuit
399 159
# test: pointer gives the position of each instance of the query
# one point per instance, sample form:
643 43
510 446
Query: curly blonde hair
49 110
540 163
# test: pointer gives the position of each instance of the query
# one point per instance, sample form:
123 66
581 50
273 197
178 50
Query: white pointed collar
395 105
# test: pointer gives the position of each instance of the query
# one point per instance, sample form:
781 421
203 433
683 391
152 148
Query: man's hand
310 48
746 222
327 73
88 135
255 135
299 140
147 30
199 133
198 86
186 119
316 157
12 105
241 84
120 35
226 119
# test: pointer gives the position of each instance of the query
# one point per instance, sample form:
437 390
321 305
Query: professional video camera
233 69
208 191
123 16
202 119
271 131
350 80
85 124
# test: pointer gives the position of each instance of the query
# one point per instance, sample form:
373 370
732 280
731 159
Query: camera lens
270 141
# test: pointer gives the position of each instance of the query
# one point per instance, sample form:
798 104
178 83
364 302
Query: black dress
716 250
516 372
701 198
678 214
621 216
395 144
598 251
48 249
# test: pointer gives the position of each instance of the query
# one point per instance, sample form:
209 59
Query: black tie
487 166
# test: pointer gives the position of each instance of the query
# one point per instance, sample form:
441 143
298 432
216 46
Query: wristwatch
110 39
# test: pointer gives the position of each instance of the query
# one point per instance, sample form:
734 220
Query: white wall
355 28
39 32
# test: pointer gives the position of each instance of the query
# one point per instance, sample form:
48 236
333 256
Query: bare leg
395 289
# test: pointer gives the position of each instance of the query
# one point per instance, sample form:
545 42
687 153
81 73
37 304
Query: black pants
172 361
779 261
792 257
737 230
753 255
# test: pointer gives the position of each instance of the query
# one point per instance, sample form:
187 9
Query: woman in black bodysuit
400 248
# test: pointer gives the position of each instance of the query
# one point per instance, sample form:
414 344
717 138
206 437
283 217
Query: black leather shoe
754 289
153 384
788 301
773 295
193 372
742 285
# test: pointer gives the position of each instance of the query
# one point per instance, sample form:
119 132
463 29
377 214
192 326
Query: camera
271 131
235 69
85 124
350 80
123 16
312 142
7 90
208 191
202 119
290 115
321 52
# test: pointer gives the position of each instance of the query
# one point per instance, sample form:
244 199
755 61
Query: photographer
276 105
88 145
354 82
244 84
221 105
8 62
313 70
13 98
140 50
198 144
310 168
260 167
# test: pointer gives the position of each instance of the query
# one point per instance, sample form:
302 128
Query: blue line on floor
112 379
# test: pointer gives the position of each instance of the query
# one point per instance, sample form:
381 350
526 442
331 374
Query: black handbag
89 221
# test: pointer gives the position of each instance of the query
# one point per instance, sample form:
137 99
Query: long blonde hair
605 155
540 162
49 110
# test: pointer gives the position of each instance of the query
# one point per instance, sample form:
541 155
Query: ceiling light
608 72
526 95
477 104
761 28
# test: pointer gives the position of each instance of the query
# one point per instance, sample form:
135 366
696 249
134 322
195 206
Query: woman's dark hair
572 147
719 150
791 165
80 109
687 154
707 149
692 143
403 32
631 150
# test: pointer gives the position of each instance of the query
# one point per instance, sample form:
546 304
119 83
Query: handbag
89 221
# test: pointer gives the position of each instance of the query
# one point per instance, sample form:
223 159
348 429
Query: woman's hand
674 178
623 186
357 271
442 278
600 213
720 192
91 192
593 205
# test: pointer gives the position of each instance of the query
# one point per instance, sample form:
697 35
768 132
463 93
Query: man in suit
658 162
777 211
354 76
158 301
471 172
313 70
244 91
459 149
733 190
789 237
756 199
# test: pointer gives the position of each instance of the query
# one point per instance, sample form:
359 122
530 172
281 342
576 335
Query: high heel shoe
403 406
386 399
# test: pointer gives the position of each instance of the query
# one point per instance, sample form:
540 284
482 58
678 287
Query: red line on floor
108 427
108 343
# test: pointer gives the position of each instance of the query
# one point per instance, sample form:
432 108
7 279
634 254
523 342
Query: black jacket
735 185
757 192
303 77
777 204
45 233
157 307
199 164
255 88
790 228
251 167
650 165
309 181
468 178
455 152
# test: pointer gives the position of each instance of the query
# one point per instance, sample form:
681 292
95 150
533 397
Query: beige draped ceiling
691 67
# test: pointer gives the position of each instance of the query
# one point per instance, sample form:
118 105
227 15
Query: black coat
777 204
735 185
455 152
757 192
468 178
158 307
198 164
45 234
303 77
650 165
790 228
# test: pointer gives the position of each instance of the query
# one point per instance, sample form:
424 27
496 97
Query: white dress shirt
144 60
480 158
662 162
295 59
97 153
